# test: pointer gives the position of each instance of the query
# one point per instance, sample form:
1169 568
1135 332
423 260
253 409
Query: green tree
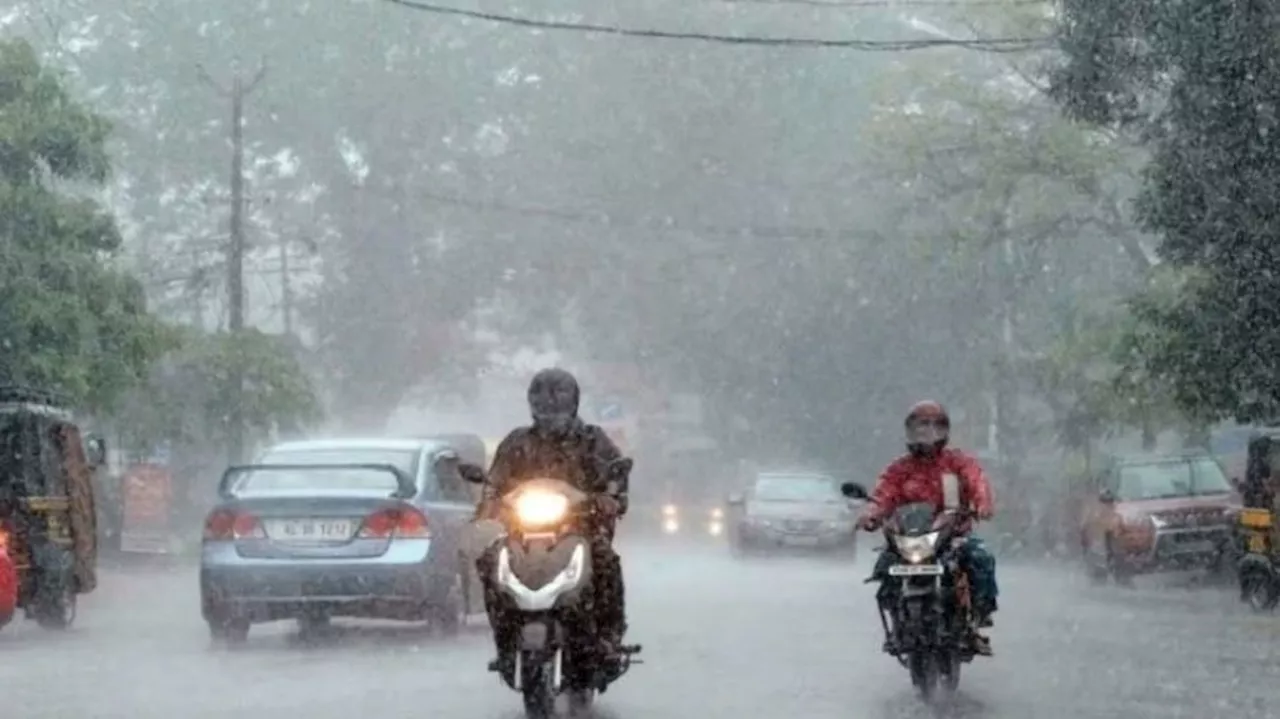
186 401
69 319
1198 81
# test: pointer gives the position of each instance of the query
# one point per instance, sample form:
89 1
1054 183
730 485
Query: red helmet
928 427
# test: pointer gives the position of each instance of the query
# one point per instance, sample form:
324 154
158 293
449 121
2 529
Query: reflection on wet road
723 638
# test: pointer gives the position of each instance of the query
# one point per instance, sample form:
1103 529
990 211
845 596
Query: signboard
147 494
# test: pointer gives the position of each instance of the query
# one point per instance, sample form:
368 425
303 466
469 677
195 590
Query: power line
838 4
604 219
993 44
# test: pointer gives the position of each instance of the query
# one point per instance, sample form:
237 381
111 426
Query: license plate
802 541
1202 546
310 530
915 570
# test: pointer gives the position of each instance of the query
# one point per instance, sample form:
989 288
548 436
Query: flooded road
724 638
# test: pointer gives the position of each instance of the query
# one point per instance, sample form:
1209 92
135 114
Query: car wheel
1120 574
312 625
57 612
448 614
229 632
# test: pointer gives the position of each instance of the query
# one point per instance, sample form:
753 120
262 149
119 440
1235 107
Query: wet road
723 638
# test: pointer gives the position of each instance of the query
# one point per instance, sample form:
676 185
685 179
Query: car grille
1191 540
802 525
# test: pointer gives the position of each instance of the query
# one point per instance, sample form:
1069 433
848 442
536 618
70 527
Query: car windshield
329 479
797 488
1167 480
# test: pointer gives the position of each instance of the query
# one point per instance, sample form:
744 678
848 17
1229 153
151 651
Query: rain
276 277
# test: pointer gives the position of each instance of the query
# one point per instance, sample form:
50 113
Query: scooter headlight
537 509
917 549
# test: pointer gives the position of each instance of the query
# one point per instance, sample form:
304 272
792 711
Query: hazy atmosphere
756 231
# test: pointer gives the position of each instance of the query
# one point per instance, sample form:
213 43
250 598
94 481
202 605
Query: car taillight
224 525
395 522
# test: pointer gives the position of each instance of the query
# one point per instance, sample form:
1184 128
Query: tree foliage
68 318
1199 81
187 398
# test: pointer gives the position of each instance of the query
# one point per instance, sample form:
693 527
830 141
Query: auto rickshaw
1256 537
47 519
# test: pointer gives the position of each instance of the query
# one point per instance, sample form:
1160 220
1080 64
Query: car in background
370 528
797 509
1153 513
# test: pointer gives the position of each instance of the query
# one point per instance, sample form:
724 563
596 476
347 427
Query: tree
187 399
69 319
1196 81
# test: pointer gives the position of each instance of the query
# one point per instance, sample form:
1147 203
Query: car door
447 499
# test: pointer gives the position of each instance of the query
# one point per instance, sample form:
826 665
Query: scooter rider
559 444
924 475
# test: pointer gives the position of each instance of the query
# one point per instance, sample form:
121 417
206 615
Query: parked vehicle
339 528
795 509
47 518
1258 569
1158 512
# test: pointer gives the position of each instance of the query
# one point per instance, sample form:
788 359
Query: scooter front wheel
536 687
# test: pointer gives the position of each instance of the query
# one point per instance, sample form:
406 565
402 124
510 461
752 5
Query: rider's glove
985 513
608 506
868 523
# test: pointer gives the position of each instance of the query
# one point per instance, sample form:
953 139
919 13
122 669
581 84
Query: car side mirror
853 490
736 500
1106 496
472 473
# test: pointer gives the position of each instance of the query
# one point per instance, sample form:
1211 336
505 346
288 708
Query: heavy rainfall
278 278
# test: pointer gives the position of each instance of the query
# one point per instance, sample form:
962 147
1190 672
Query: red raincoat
919 479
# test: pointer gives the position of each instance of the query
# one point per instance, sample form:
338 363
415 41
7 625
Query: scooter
543 574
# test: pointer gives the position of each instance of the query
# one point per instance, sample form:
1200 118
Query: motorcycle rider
922 475
561 445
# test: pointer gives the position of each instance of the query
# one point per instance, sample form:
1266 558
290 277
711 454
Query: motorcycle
542 571
929 613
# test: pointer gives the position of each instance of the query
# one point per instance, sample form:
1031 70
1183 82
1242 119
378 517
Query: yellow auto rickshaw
47 519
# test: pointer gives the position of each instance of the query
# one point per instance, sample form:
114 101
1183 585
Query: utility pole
237 92
286 287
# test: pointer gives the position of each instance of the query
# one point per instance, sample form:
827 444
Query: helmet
553 400
928 428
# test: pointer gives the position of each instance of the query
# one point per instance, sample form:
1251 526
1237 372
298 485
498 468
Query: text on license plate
915 570
310 530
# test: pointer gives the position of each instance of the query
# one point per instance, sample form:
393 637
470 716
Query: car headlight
668 510
916 549
715 528
541 509
717 513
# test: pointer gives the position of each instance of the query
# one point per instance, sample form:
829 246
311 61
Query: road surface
764 638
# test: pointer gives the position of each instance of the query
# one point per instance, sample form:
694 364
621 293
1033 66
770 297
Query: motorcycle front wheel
536 687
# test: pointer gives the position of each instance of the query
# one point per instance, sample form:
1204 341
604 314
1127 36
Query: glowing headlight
717 513
539 509
668 510
670 525
716 528
917 549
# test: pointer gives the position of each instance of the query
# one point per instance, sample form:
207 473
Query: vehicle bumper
396 585
781 537
1182 548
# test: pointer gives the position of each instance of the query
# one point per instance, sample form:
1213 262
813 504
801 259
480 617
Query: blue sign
610 411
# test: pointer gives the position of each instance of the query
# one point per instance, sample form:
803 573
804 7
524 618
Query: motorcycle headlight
917 549
541 509
668 510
